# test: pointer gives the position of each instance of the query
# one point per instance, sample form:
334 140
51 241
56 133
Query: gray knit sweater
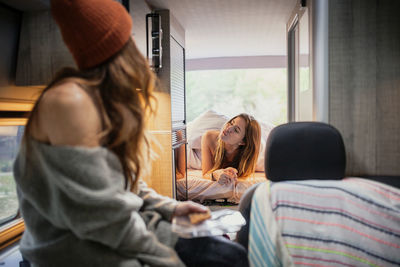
77 212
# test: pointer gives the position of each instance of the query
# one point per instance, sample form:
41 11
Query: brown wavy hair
125 80
246 159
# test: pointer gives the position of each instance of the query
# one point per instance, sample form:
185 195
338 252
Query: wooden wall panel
18 98
161 176
361 61
161 121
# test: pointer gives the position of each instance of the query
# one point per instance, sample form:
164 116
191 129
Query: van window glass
10 139
259 92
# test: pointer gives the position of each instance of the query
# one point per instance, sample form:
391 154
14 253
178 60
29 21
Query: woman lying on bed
231 152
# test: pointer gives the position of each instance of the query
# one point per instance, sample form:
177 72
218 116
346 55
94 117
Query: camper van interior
320 77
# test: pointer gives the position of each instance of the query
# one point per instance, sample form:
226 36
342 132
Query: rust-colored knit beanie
93 30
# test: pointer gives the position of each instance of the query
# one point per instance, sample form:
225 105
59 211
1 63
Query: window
305 94
259 92
300 92
10 139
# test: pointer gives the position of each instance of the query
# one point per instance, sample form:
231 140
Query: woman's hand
187 207
225 176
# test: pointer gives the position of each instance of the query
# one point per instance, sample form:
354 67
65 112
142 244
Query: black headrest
305 150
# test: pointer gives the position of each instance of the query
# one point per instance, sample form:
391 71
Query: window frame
11 232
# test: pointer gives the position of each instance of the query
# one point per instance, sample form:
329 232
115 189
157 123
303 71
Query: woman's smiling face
234 131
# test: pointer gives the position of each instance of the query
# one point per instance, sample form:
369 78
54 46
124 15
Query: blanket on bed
353 222
200 189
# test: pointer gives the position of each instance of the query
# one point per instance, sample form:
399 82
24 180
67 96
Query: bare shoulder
68 116
69 89
65 97
211 134
210 137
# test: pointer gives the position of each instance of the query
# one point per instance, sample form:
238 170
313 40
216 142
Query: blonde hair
124 80
246 159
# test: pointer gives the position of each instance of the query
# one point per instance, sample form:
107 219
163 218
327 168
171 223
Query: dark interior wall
42 51
364 83
10 20
138 11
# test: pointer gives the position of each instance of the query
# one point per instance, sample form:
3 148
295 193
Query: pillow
211 120
266 128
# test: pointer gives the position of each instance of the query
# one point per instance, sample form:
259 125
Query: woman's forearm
208 176
216 174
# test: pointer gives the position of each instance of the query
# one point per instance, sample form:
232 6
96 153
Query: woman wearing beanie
85 146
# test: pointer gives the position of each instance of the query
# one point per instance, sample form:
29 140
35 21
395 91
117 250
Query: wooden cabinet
169 125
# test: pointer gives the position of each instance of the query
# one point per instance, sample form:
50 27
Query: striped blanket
353 222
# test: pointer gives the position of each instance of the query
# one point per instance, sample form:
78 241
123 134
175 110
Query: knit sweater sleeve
82 191
153 201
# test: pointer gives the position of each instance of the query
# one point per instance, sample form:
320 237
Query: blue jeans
211 251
